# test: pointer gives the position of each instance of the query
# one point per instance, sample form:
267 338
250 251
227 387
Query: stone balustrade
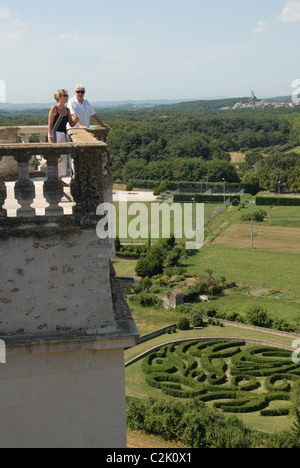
90 185
25 134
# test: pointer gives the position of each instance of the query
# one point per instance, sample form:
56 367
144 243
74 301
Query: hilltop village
254 103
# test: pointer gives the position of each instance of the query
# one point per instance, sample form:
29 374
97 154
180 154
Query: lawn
135 221
274 238
243 265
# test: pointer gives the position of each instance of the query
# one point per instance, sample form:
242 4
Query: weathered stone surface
60 286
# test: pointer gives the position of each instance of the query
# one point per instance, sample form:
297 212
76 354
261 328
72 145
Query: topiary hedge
224 370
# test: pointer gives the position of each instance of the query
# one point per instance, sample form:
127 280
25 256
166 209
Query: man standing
82 109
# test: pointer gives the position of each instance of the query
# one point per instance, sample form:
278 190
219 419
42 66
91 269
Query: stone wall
58 285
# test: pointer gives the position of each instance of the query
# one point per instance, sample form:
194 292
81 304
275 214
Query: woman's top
63 124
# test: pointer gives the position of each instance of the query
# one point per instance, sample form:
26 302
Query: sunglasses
80 92
65 95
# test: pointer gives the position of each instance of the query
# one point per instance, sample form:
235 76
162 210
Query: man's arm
98 121
78 123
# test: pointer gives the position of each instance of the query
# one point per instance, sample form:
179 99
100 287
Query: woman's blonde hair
60 93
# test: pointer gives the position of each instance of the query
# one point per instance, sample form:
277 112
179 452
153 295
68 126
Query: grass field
272 270
134 217
237 157
266 237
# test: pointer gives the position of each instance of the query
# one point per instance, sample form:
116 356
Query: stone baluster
25 137
42 136
24 187
53 187
3 195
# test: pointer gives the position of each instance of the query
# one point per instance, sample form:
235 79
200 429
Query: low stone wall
246 326
154 334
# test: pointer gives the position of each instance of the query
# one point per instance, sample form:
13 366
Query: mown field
135 221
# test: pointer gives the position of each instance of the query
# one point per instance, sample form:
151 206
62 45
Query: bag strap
55 127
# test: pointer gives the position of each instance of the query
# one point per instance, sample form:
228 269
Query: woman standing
58 118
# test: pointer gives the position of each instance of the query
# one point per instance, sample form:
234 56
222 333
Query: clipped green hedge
202 198
188 185
281 201
275 412
245 405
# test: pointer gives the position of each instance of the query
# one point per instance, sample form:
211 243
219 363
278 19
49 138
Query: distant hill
10 107
205 104
208 104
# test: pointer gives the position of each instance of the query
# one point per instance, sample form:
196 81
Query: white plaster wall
63 400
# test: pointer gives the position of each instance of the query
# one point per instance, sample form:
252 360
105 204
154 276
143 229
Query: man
82 109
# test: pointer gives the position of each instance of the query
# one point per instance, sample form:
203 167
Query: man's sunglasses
80 92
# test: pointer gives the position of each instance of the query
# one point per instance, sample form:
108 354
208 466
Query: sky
137 50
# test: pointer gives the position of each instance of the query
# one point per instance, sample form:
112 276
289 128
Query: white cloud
260 28
4 13
291 12
69 37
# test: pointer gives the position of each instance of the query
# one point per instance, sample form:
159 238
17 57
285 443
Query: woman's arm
51 117
72 119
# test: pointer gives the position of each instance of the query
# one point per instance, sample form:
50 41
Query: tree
252 158
258 317
294 180
251 183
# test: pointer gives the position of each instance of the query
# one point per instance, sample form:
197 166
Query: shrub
117 244
197 319
146 284
258 216
183 323
258 317
146 300
211 311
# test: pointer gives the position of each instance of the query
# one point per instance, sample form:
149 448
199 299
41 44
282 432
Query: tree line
190 142
190 145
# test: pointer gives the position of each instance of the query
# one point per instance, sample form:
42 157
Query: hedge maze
239 378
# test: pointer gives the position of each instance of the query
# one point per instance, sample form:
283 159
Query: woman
58 118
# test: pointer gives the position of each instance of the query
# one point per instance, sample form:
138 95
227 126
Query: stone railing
25 134
90 186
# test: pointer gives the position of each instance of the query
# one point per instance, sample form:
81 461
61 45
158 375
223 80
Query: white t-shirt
83 111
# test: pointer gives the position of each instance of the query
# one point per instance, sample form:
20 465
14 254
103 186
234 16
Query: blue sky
163 49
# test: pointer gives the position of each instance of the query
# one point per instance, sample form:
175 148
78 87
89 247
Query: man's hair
79 87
